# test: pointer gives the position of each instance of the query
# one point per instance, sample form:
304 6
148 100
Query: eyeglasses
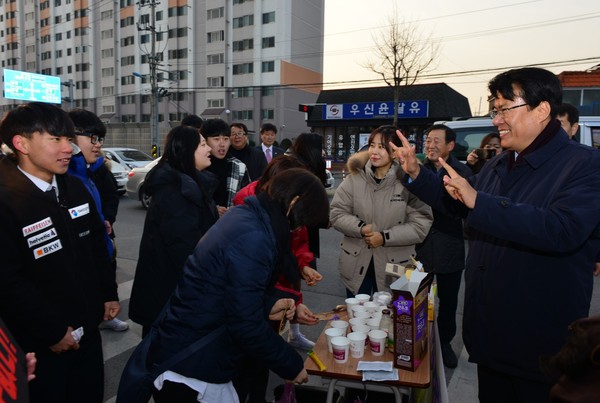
238 134
502 111
94 138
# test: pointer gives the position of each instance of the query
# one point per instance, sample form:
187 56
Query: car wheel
145 198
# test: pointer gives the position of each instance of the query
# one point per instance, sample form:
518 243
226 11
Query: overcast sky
473 35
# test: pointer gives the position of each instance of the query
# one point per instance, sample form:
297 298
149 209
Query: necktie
268 154
52 192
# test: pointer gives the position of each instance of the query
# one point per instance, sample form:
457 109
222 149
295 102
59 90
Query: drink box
411 327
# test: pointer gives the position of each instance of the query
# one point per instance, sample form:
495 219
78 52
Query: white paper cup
377 341
350 302
331 333
371 306
341 324
357 344
363 315
361 329
341 349
357 321
373 323
362 298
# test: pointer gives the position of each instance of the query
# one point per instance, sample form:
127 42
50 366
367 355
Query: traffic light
154 151
305 108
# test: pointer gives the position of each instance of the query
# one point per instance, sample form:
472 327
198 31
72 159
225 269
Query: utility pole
71 100
153 61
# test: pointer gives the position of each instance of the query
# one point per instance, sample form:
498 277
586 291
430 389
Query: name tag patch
79 211
41 238
35 227
47 249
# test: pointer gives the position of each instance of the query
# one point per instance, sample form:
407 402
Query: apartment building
252 61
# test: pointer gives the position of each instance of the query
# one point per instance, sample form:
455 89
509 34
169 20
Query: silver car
128 157
120 175
135 184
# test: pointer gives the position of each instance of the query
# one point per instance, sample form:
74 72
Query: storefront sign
377 110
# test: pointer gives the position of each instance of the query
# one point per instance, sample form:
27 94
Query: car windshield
134 155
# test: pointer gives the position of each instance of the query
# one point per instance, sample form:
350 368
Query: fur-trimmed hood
360 162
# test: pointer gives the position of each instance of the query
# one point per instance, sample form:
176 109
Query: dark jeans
74 376
447 288
498 387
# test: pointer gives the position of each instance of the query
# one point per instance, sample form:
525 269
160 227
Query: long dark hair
180 145
312 208
276 166
308 148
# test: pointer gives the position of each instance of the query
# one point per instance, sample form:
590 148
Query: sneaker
300 341
116 325
448 356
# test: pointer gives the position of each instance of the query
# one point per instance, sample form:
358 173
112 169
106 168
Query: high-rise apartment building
252 61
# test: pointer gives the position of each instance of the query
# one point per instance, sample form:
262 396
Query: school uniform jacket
55 271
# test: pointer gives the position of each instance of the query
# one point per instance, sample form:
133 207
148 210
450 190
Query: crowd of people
232 234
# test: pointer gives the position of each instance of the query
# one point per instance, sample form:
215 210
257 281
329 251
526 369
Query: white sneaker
300 341
116 325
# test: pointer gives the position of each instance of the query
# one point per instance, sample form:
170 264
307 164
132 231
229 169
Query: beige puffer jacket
390 208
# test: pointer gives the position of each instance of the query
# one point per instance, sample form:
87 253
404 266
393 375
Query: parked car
135 184
120 175
128 157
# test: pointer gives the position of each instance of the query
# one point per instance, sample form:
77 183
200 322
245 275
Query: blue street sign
407 109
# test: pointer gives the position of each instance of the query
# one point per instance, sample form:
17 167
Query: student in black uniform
57 284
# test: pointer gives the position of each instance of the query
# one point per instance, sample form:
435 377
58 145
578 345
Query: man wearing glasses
241 150
534 235
90 166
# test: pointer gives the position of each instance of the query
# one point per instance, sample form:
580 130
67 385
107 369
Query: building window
215 13
267 114
108 72
58 54
108 108
215 81
125 80
178 32
243 92
130 40
243 68
106 15
243 21
107 91
241 1
268 42
59 71
268 67
127 60
58 36
178 75
159 16
106 53
215 59
46 55
268 18
177 11
125 22
179 96
106 34
178 54
242 45
215 103
215 36
82 67
242 115
82 85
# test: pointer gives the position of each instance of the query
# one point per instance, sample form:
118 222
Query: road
324 296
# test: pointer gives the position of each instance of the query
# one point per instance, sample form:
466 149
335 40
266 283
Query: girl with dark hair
308 148
381 221
220 310
181 211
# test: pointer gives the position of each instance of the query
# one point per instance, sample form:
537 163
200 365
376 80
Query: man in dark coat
57 283
241 150
532 214
268 134
443 251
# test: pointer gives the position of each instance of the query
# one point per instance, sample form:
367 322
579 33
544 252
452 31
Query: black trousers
498 387
172 392
72 377
448 285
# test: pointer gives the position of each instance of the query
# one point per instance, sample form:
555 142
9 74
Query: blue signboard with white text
407 109
31 87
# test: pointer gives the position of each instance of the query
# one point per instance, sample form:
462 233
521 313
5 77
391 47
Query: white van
469 133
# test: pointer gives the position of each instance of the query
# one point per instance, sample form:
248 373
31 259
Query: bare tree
403 55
